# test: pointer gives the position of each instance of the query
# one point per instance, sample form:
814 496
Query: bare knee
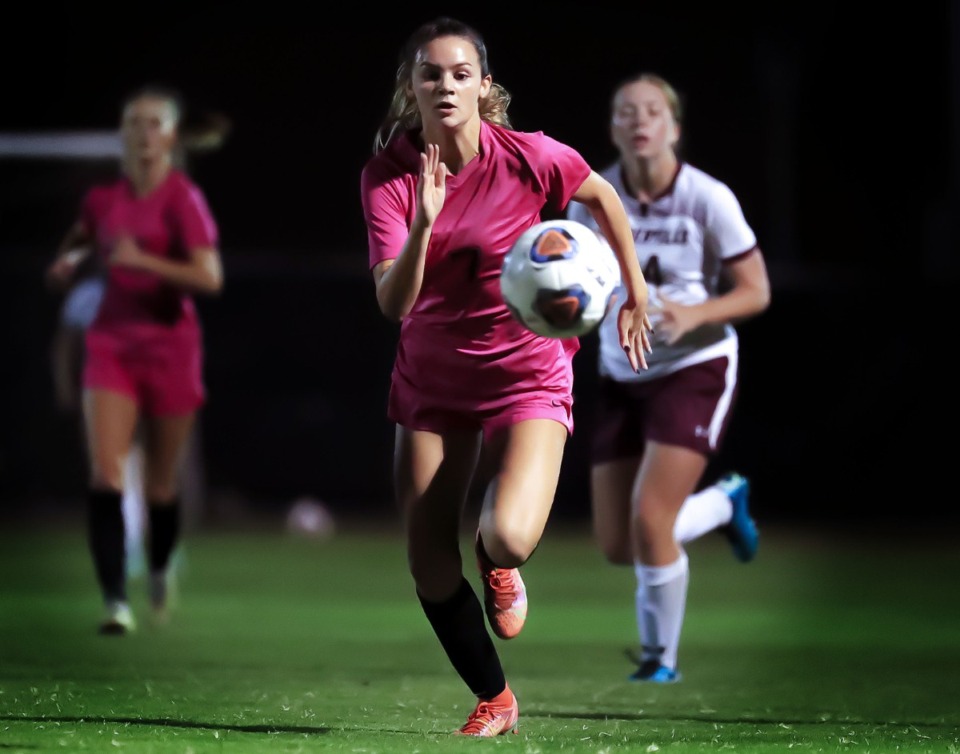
613 539
98 483
161 494
617 550
107 474
161 480
652 527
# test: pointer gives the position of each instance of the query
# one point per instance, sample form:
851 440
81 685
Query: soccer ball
558 279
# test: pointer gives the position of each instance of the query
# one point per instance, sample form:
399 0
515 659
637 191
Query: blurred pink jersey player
146 339
463 361
157 241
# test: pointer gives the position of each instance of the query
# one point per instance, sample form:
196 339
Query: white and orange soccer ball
558 279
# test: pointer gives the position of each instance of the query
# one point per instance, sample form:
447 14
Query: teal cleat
652 671
741 532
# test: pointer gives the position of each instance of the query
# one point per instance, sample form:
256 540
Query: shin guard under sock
106 537
460 626
163 534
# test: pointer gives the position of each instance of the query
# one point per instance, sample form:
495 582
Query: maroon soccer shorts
690 408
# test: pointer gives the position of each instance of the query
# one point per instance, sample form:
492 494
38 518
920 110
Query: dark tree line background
836 128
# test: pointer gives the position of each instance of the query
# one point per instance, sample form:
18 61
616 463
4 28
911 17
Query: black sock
105 536
164 532
460 625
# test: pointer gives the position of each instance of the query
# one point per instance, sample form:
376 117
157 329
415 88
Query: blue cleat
651 671
742 530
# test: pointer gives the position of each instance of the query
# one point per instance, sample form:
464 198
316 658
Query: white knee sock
702 512
134 513
661 600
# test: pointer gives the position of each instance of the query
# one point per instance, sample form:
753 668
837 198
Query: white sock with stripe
661 600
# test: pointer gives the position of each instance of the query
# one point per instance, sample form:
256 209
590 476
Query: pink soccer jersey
168 222
145 341
460 348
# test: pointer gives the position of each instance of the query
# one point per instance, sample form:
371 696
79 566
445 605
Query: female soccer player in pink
153 229
657 430
449 189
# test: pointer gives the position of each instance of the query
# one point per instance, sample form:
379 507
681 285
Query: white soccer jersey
681 240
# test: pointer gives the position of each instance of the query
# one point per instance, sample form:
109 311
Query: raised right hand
432 184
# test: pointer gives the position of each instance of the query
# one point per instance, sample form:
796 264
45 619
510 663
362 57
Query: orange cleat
504 597
505 600
493 718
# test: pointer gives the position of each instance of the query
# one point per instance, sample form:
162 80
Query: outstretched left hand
635 328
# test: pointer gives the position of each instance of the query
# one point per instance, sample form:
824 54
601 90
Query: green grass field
841 642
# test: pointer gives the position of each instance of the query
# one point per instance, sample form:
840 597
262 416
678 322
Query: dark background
836 128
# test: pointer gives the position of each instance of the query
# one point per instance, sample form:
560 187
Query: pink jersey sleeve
561 169
385 209
197 227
